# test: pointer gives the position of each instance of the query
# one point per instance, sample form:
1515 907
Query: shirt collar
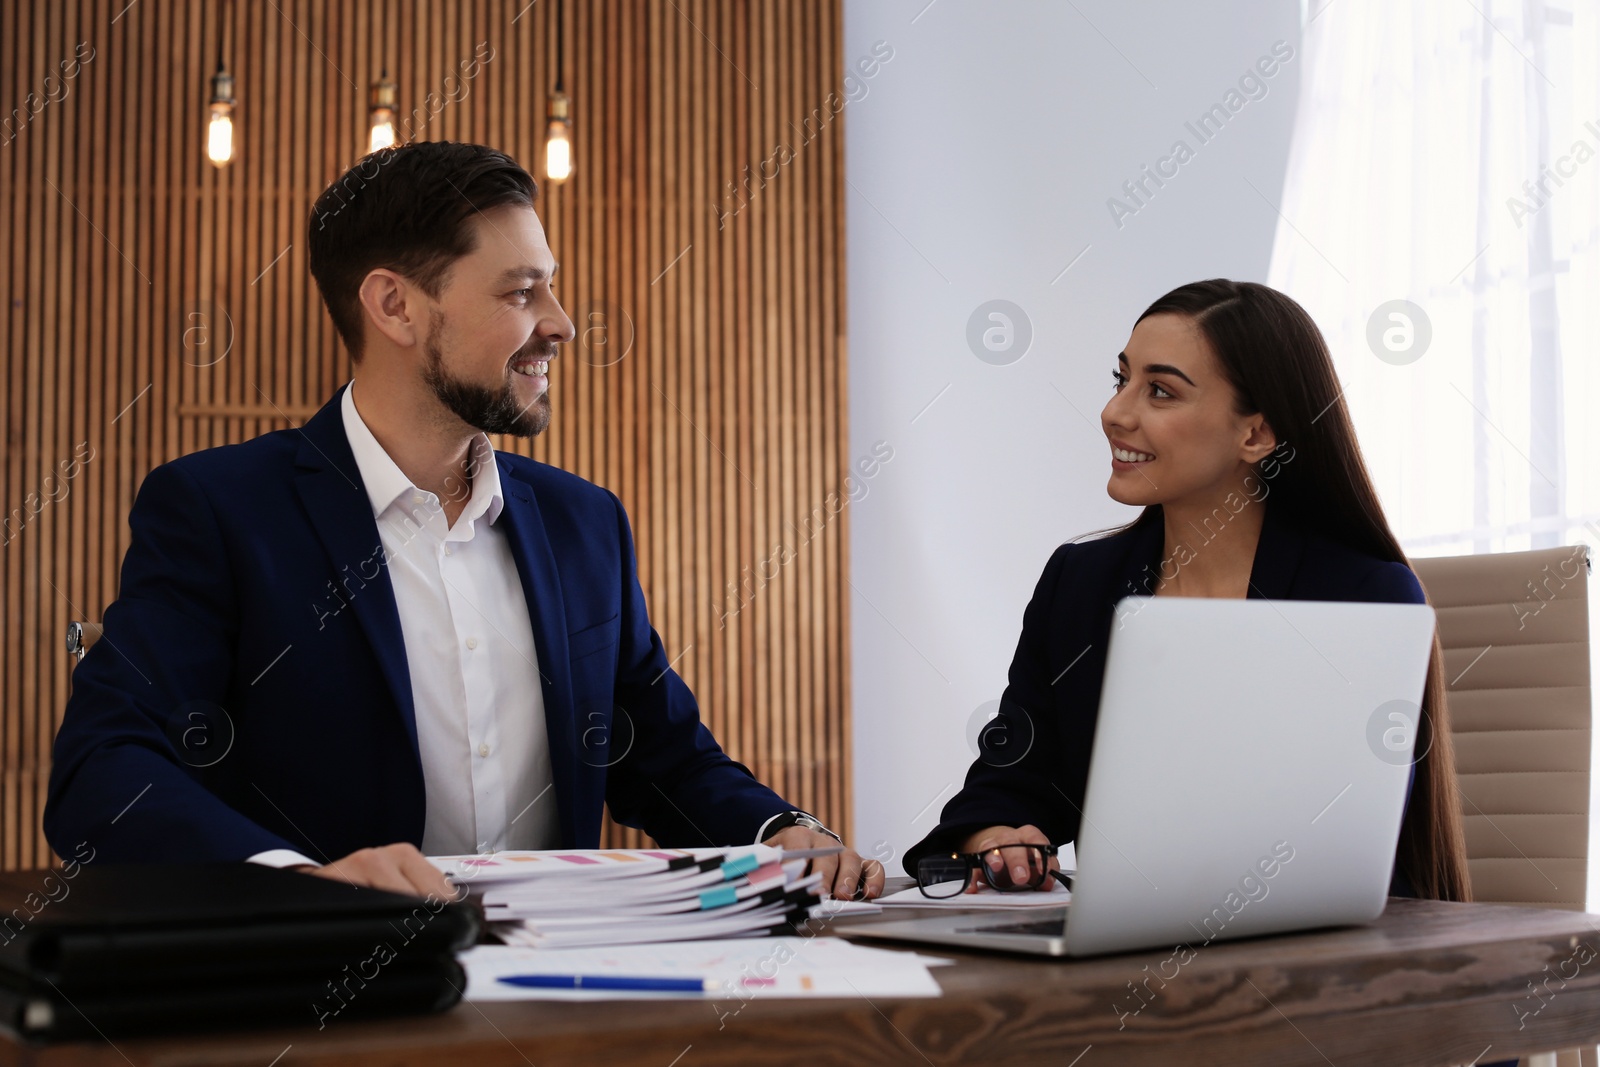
386 482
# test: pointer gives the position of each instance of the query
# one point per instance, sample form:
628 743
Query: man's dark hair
405 209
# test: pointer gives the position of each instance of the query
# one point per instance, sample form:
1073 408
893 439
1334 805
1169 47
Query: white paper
746 968
1057 896
586 864
844 909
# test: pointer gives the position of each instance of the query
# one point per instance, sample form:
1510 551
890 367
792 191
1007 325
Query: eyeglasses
1008 868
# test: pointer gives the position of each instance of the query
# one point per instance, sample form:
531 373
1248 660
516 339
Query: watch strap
785 819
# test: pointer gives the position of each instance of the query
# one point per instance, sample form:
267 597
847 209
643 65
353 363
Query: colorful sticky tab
719 897
771 872
739 865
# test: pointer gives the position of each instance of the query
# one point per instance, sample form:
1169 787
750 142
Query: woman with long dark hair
1228 425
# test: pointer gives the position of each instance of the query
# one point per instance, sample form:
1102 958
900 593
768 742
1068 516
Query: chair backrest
80 635
1515 632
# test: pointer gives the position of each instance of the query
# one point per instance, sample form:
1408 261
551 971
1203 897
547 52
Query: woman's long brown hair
1279 365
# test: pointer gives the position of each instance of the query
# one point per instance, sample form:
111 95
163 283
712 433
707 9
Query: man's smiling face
495 325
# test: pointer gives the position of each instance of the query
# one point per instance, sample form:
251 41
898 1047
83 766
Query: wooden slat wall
154 305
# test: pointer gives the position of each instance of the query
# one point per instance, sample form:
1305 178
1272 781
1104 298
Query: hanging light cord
561 7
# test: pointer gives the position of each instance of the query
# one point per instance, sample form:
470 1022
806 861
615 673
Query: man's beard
489 410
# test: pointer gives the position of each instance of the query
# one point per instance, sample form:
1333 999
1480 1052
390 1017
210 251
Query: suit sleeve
147 713
1020 751
675 783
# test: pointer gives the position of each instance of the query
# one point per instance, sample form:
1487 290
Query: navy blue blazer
251 692
1071 615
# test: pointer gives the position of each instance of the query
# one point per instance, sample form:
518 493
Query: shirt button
447 550
472 642
418 498
483 750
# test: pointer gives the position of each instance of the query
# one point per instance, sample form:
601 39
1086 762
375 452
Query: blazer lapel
541 586
1143 563
335 498
1278 555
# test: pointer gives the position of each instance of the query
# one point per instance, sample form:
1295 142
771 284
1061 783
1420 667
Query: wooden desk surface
1427 984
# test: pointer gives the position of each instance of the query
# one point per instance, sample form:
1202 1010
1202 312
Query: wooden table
1428 984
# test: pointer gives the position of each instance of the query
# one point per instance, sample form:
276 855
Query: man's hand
994 837
399 868
845 876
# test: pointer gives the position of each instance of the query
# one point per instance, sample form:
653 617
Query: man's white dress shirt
470 652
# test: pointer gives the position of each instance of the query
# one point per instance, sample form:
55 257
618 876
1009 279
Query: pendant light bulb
558 141
219 127
382 101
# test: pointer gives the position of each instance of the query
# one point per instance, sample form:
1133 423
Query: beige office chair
1515 631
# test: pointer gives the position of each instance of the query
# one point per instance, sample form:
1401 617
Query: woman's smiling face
1173 421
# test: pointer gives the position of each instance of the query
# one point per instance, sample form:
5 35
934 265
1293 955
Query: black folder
103 949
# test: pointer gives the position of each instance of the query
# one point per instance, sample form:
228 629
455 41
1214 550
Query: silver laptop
1248 777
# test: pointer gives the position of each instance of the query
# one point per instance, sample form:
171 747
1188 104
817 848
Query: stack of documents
568 898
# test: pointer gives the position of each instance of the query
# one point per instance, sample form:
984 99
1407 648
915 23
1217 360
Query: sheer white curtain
1447 153
1444 182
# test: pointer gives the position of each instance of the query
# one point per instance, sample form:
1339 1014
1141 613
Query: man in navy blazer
335 644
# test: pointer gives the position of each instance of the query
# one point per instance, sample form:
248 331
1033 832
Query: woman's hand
996 836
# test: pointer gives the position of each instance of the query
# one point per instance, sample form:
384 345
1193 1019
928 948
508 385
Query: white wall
980 159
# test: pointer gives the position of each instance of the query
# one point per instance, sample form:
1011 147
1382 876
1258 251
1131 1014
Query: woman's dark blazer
1053 696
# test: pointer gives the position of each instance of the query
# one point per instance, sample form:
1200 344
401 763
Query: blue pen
611 981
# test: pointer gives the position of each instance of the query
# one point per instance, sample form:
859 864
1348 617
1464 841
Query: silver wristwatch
785 819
